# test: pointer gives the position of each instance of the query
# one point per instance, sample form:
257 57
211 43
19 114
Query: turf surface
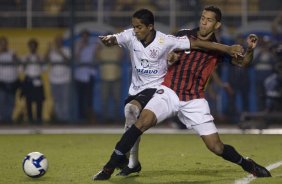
166 159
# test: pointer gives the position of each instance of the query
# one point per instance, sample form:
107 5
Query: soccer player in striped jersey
149 51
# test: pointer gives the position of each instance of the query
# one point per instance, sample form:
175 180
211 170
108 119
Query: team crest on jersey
161 40
145 63
160 91
154 53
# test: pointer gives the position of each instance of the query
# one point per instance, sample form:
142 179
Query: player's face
208 23
3 44
141 31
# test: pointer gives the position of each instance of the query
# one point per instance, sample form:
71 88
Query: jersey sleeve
182 32
179 43
124 37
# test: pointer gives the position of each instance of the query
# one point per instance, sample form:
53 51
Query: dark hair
216 10
33 41
4 39
84 32
145 15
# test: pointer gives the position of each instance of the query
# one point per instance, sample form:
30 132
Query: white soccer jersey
8 73
149 64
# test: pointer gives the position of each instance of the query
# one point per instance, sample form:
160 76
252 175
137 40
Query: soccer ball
35 164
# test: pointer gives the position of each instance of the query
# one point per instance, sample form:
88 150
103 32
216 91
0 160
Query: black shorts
143 97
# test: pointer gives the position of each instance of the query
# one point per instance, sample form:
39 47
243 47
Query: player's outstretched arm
234 50
246 59
109 40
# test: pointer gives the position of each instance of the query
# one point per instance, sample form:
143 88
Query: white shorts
194 114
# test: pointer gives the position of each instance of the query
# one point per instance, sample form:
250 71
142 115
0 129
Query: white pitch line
250 177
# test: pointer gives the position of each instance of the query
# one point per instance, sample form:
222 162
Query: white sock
133 156
132 112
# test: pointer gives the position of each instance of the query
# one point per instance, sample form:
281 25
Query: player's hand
236 50
172 58
252 41
107 40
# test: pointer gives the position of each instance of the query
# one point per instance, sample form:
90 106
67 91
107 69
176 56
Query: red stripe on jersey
172 71
186 76
189 76
196 62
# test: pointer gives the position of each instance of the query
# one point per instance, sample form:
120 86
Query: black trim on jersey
197 69
200 74
174 74
183 32
188 70
188 74
154 36
182 69
142 97
194 32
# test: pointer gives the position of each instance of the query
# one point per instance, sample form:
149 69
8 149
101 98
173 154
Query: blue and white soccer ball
35 164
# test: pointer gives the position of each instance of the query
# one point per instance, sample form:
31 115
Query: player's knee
146 120
216 147
131 112
213 143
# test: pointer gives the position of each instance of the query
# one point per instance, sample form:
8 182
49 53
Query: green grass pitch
166 159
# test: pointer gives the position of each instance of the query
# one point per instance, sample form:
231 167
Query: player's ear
151 27
217 25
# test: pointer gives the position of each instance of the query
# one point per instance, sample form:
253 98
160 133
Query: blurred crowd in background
54 70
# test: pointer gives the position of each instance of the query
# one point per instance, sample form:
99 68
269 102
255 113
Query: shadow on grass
27 179
200 173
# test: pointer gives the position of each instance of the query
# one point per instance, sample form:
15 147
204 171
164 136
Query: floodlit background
93 85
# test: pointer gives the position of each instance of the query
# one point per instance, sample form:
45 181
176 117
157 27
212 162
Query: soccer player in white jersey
149 52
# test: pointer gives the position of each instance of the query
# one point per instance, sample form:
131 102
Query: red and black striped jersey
189 76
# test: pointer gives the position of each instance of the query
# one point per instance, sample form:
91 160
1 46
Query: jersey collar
154 36
212 38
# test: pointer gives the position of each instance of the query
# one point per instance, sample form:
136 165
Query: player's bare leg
229 153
